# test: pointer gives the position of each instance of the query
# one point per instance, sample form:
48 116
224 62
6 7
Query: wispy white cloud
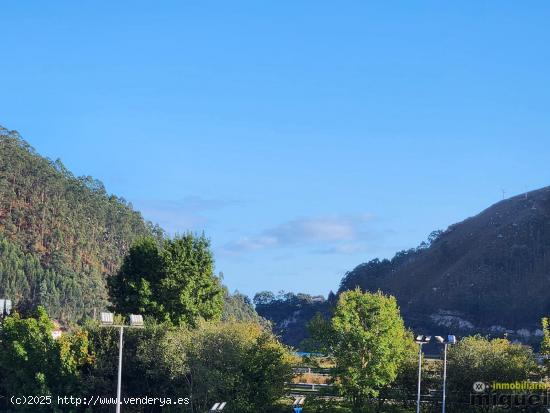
333 234
178 216
347 248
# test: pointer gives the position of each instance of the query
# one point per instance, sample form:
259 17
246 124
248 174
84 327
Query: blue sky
303 137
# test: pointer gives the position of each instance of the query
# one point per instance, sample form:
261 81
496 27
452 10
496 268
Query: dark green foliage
238 362
142 372
487 274
477 358
174 283
490 270
60 235
189 289
32 363
238 307
135 289
290 313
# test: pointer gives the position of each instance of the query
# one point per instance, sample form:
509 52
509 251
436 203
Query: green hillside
60 235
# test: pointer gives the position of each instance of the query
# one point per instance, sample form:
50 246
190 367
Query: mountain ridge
60 235
485 274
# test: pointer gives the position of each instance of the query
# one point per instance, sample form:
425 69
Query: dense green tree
189 288
478 358
406 381
241 363
135 289
368 341
238 362
32 362
175 282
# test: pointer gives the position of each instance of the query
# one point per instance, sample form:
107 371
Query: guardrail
313 370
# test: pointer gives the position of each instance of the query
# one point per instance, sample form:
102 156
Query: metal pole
419 376
444 378
119 370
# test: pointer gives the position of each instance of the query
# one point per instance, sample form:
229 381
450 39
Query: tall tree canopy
368 341
173 282
478 358
32 362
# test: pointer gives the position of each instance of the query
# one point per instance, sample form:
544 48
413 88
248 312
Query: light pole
450 340
218 407
420 340
298 404
107 320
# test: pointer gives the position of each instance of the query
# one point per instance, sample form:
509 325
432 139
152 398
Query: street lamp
450 340
108 320
218 407
298 404
420 340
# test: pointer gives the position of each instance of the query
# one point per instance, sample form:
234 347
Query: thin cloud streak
179 216
348 249
342 234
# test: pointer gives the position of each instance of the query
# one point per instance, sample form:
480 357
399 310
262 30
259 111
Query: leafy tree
477 358
189 289
175 282
239 362
33 363
136 287
321 338
368 342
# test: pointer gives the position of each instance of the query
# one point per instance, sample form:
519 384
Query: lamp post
420 340
450 340
298 404
218 407
107 320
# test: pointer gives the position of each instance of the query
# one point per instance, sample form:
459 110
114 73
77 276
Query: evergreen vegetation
291 312
172 282
60 235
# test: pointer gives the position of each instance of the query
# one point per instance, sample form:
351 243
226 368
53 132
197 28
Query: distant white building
57 331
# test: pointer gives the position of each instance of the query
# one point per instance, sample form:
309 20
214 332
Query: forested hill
488 274
60 235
